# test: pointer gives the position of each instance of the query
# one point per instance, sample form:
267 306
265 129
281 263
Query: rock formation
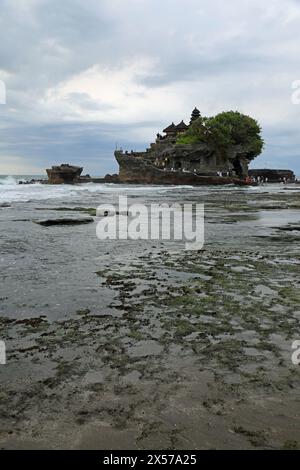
64 174
142 170
274 176
70 174
167 162
64 221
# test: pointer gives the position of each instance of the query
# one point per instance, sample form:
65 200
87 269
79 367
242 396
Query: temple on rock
167 162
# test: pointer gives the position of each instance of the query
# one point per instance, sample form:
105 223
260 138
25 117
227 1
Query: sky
84 76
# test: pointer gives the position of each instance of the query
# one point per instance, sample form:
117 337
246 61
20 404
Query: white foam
8 181
10 191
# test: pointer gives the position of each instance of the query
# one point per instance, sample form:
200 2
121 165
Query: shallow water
140 343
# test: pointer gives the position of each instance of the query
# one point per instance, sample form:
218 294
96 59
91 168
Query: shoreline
229 182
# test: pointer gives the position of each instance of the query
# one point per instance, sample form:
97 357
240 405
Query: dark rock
274 176
290 228
64 174
112 178
88 210
64 221
138 170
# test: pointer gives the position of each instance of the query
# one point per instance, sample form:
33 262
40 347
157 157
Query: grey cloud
85 102
235 45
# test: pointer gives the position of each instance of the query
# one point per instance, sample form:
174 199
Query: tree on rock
226 130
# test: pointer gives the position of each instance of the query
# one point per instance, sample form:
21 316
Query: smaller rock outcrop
70 174
111 178
273 176
64 174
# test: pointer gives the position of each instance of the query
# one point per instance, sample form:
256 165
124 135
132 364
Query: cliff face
165 162
142 169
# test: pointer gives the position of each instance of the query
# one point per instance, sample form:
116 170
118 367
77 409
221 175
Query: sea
53 269
13 192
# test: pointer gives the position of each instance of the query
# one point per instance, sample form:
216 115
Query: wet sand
142 345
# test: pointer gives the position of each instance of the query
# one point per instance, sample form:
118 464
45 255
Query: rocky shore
144 345
80 180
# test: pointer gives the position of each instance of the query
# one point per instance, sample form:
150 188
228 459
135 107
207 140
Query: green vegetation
224 131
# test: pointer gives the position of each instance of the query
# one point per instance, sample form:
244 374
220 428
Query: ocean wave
11 191
8 180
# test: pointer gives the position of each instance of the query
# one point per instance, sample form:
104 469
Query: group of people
264 180
260 180
224 173
284 180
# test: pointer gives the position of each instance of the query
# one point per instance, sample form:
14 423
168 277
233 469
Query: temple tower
195 115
